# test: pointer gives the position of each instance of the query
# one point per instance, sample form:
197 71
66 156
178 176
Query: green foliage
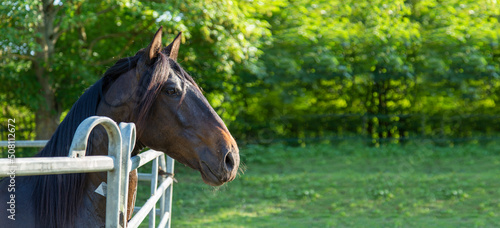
386 70
219 37
387 60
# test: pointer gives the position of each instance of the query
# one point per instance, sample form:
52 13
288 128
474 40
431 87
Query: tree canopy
275 69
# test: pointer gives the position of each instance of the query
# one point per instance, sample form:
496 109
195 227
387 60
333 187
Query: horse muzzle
217 173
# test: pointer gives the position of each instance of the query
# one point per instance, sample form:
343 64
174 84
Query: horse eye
171 91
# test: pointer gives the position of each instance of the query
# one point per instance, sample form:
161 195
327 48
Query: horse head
172 114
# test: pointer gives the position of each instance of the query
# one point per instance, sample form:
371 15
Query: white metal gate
118 164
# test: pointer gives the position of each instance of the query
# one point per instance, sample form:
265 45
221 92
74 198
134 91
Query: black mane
57 197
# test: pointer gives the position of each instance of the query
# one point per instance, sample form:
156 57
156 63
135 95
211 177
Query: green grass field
347 185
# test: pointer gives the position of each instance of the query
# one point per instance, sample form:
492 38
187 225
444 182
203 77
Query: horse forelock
150 85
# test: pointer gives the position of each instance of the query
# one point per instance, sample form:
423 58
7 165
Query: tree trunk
46 123
47 114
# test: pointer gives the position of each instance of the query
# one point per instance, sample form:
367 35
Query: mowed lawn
347 185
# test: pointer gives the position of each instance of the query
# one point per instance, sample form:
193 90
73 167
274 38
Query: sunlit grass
348 185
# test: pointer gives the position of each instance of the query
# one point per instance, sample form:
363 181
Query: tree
46 41
393 61
54 49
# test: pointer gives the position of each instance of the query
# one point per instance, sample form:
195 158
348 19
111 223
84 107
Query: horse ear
172 50
155 46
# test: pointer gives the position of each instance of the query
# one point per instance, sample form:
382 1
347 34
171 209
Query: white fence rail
118 164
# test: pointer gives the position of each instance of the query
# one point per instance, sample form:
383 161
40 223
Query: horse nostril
229 162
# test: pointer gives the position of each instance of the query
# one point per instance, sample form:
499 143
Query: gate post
128 143
168 193
116 192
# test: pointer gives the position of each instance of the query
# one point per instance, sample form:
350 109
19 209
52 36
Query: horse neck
119 109
94 201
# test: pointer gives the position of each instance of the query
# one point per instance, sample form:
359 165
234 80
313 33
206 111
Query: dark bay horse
171 114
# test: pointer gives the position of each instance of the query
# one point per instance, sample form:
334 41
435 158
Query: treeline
388 71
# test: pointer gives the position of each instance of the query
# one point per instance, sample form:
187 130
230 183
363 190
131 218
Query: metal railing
118 164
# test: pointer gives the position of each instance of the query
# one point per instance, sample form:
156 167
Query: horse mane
57 197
